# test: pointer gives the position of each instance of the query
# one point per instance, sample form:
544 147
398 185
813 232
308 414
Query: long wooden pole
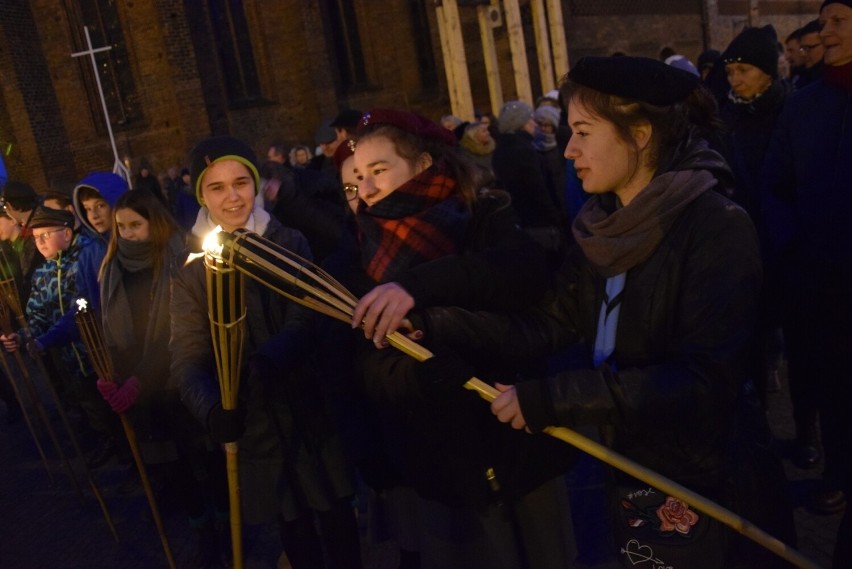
96 348
558 42
447 53
542 45
634 469
9 292
489 53
72 436
517 45
24 410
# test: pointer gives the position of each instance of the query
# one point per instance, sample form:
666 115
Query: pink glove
125 396
107 388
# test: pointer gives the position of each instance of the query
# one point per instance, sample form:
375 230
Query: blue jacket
52 298
807 201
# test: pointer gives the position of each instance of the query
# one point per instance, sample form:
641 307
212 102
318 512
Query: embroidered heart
638 553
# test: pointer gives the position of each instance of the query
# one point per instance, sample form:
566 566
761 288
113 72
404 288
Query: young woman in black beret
659 305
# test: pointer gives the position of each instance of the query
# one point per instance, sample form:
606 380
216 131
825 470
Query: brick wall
58 132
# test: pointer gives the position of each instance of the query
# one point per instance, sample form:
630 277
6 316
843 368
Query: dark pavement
44 525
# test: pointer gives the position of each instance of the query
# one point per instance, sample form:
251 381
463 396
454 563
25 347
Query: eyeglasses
46 235
351 191
806 48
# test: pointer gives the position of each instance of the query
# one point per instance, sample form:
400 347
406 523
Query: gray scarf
616 241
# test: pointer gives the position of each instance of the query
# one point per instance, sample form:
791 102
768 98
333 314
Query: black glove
443 372
226 425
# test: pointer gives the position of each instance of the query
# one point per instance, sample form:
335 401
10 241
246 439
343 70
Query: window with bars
423 41
236 56
346 43
113 67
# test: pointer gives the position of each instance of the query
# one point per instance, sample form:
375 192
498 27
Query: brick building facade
271 70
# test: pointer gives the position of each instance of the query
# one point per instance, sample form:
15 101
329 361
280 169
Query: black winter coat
435 436
287 427
687 320
519 170
748 130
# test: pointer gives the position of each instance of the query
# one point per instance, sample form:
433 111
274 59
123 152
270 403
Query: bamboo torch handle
232 465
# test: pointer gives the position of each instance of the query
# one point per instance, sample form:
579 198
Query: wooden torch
226 309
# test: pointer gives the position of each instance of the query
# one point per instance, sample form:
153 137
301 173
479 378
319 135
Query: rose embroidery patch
672 517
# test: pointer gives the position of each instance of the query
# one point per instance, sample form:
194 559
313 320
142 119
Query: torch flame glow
82 305
211 242
210 245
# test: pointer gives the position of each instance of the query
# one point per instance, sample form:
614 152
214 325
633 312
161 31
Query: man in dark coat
518 168
807 207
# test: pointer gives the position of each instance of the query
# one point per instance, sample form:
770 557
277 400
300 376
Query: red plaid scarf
423 219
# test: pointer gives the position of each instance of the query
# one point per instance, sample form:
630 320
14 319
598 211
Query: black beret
410 122
49 217
18 190
346 119
755 46
812 27
214 149
637 78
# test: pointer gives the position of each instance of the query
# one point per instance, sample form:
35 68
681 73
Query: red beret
344 151
409 122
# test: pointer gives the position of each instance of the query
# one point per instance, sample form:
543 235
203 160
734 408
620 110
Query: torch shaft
42 413
227 313
25 412
101 360
130 433
232 465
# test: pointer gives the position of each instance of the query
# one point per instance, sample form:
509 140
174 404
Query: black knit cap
18 190
49 217
755 46
827 2
217 148
637 78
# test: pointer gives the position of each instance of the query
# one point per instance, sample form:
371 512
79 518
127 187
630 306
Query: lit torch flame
82 305
210 245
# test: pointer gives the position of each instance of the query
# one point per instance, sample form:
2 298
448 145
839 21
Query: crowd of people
635 253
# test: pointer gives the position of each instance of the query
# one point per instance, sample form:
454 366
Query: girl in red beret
429 235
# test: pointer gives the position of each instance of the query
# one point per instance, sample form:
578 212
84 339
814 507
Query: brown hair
88 193
410 146
161 226
671 125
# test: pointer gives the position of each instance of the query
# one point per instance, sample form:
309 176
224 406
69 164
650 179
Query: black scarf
423 219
